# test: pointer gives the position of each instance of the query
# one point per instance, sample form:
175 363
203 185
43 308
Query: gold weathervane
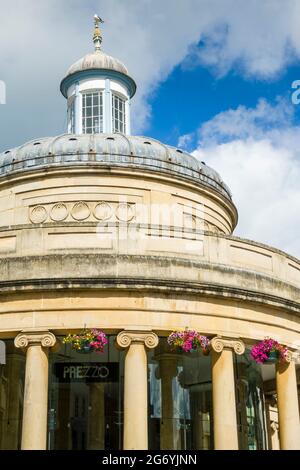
97 33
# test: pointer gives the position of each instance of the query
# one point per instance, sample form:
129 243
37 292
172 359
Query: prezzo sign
86 372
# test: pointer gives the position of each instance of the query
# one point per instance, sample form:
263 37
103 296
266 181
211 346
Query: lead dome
97 60
110 150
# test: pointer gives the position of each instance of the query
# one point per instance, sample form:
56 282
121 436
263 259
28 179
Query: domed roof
107 151
93 64
97 60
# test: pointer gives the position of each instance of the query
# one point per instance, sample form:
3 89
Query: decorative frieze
116 212
82 211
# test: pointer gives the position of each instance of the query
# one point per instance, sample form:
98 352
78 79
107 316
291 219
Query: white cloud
260 38
244 123
261 167
39 40
185 140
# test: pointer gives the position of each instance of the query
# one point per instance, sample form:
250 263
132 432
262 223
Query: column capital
126 338
290 357
293 355
218 343
46 339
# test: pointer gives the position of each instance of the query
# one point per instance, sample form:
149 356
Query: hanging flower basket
273 357
269 351
87 341
86 349
189 341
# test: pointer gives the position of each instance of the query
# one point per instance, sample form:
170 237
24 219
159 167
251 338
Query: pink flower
261 351
188 340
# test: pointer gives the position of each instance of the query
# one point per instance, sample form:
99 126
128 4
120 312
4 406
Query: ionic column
223 387
136 387
287 402
34 429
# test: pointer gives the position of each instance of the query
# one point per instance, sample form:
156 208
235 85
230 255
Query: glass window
92 112
12 376
86 399
118 114
180 400
250 403
181 406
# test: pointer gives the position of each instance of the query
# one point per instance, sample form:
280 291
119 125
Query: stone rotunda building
101 229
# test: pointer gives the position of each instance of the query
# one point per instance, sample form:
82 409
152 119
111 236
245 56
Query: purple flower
188 340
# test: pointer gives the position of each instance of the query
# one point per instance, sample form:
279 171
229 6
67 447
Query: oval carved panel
59 212
124 212
80 211
103 211
38 215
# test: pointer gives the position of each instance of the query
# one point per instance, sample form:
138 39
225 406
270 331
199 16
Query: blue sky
191 96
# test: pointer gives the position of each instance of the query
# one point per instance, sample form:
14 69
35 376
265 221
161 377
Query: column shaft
34 430
35 408
136 386
288 409
135 398
224 405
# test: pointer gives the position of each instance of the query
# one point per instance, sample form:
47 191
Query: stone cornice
150 285
46 339
219 343
126 338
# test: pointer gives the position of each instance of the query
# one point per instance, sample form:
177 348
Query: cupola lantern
98 89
